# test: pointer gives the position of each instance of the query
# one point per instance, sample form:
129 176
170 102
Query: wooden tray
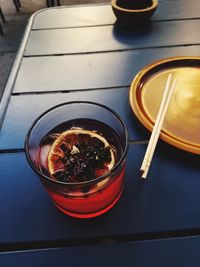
181 127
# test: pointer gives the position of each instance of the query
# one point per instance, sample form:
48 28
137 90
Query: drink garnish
79 155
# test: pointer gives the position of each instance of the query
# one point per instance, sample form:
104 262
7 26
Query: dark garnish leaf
81 166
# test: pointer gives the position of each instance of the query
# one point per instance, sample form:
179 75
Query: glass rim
98 179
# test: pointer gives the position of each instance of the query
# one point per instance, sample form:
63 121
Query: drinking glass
81 199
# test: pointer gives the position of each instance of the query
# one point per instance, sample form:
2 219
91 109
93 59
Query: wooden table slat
90 71
112 38
24 109
167 201
182 252
101 15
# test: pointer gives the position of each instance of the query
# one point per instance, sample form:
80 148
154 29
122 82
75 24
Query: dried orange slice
79 155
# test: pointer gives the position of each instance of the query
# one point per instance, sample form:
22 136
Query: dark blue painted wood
178 9
167 201
109 38
101 15
182 252
23 110
89 71
74 17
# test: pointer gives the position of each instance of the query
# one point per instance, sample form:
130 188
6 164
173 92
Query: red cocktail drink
80 161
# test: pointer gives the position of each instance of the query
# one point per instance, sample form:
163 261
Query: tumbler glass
77 189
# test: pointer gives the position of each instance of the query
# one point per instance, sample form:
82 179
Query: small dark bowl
134 10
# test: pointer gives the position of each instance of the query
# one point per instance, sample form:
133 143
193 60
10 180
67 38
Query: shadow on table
179 156
126 33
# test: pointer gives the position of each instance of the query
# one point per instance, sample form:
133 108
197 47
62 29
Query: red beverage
79 156
78 150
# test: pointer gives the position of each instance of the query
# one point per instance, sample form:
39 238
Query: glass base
89 215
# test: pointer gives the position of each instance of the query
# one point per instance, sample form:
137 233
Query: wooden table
80 53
